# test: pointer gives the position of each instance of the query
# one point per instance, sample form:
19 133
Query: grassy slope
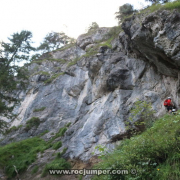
155 7
155 154
23 153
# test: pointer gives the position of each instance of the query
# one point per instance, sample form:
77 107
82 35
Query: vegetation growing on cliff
127 11
57 145
157 6
39 61
60 133
13 128
33 122
54 40
39 109
141 116
92 28
53 77
66 47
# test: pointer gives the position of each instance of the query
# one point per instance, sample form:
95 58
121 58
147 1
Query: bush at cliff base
154 154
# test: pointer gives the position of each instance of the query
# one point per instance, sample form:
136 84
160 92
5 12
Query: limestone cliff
94 83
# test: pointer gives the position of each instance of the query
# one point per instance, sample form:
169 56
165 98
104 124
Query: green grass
90 53
58 163
53 77
60 133
21 154
107 43
68 124
40 61
35 169
44 73
73 62
94 50
57 145
172 5
155 153
151 8
39 109
34 121
65 47
57 60
43 133
156 7
167 6
12 129
114 32
59 154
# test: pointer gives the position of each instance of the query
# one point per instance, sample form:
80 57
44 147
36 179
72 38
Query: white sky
70 16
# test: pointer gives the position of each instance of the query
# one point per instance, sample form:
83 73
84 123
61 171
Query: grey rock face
84 40
120 77
69 53
89 39
89 47
97 93
157 39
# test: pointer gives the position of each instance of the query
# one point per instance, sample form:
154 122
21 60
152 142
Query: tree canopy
11 74
54 40
93 26
124 10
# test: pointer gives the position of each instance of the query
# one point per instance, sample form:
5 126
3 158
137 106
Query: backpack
166 102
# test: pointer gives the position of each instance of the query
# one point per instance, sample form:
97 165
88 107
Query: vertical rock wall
98 91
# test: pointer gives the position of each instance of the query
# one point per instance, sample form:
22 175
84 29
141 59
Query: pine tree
54 40
93 27
124 10
11 74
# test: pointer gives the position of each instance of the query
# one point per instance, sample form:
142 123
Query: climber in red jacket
168 104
